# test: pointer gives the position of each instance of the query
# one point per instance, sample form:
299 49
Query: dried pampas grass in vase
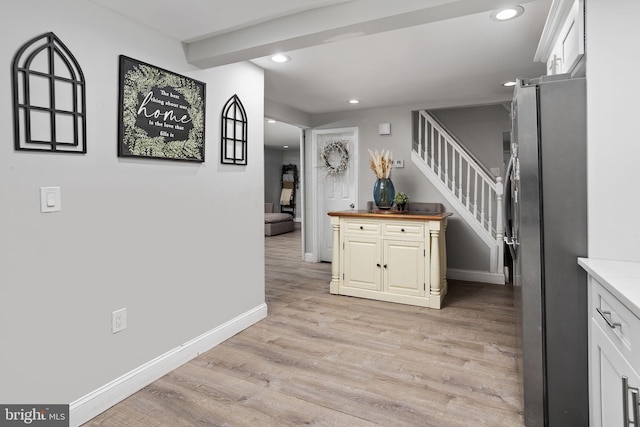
381 164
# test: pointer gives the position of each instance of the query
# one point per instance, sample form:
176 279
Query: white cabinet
384 265
609 372
397 258
562 45
614 342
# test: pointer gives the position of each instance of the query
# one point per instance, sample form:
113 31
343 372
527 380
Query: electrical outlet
119 320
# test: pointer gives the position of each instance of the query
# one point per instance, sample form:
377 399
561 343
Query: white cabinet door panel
362 268
404 267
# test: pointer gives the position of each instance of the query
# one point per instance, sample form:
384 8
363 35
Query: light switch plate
50 199
398 163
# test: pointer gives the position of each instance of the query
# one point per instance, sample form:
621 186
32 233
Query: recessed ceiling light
507 13
510 83
280 58
270 121
285 146
354 101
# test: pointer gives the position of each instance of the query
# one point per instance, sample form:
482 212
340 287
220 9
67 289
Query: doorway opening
284 153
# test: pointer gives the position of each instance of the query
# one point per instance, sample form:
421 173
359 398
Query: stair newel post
500 223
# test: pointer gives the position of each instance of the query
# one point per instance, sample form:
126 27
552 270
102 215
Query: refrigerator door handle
511 241
508 238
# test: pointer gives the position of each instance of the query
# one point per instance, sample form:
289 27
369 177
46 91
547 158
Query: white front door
333 192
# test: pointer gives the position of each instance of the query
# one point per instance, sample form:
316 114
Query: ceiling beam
355 18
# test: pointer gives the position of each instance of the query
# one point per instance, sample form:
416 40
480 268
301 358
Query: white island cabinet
614 342
391 256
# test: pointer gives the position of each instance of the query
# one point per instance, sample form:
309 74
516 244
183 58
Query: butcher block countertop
392 214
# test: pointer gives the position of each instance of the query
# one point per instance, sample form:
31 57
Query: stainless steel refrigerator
546 231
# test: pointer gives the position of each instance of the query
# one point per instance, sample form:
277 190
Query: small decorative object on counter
381 164
401 199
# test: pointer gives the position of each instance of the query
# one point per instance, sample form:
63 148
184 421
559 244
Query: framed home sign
161 113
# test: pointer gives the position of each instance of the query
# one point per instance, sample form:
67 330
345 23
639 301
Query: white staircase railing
464 182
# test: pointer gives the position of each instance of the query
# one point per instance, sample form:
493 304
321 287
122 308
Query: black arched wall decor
49 99
234 133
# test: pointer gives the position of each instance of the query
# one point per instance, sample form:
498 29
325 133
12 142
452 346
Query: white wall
613 143
170 241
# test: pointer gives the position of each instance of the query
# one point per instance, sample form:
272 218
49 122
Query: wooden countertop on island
392 214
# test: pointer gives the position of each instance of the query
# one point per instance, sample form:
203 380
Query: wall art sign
161 113
49 101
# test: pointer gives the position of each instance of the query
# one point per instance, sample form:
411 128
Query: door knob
352 206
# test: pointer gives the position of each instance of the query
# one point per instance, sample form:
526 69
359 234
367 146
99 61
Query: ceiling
433 53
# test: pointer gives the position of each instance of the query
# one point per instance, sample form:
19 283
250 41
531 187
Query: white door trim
315 203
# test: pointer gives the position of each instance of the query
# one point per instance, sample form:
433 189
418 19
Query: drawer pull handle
361 228
606 315
402 229
625 402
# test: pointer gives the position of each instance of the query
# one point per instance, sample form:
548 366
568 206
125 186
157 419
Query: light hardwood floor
328 360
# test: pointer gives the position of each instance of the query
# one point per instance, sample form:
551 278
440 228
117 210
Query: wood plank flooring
328 360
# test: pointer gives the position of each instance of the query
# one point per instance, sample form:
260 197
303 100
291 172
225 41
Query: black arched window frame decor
66 123
234 133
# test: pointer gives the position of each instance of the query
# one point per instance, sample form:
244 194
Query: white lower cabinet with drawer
394 260
614 342
614 383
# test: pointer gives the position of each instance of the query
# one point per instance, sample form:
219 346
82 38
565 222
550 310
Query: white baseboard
98 401
475 276
310 257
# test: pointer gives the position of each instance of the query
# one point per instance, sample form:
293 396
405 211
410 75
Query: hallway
321 359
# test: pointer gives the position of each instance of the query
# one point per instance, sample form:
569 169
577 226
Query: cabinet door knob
361 228
385 266
378 264
402 229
